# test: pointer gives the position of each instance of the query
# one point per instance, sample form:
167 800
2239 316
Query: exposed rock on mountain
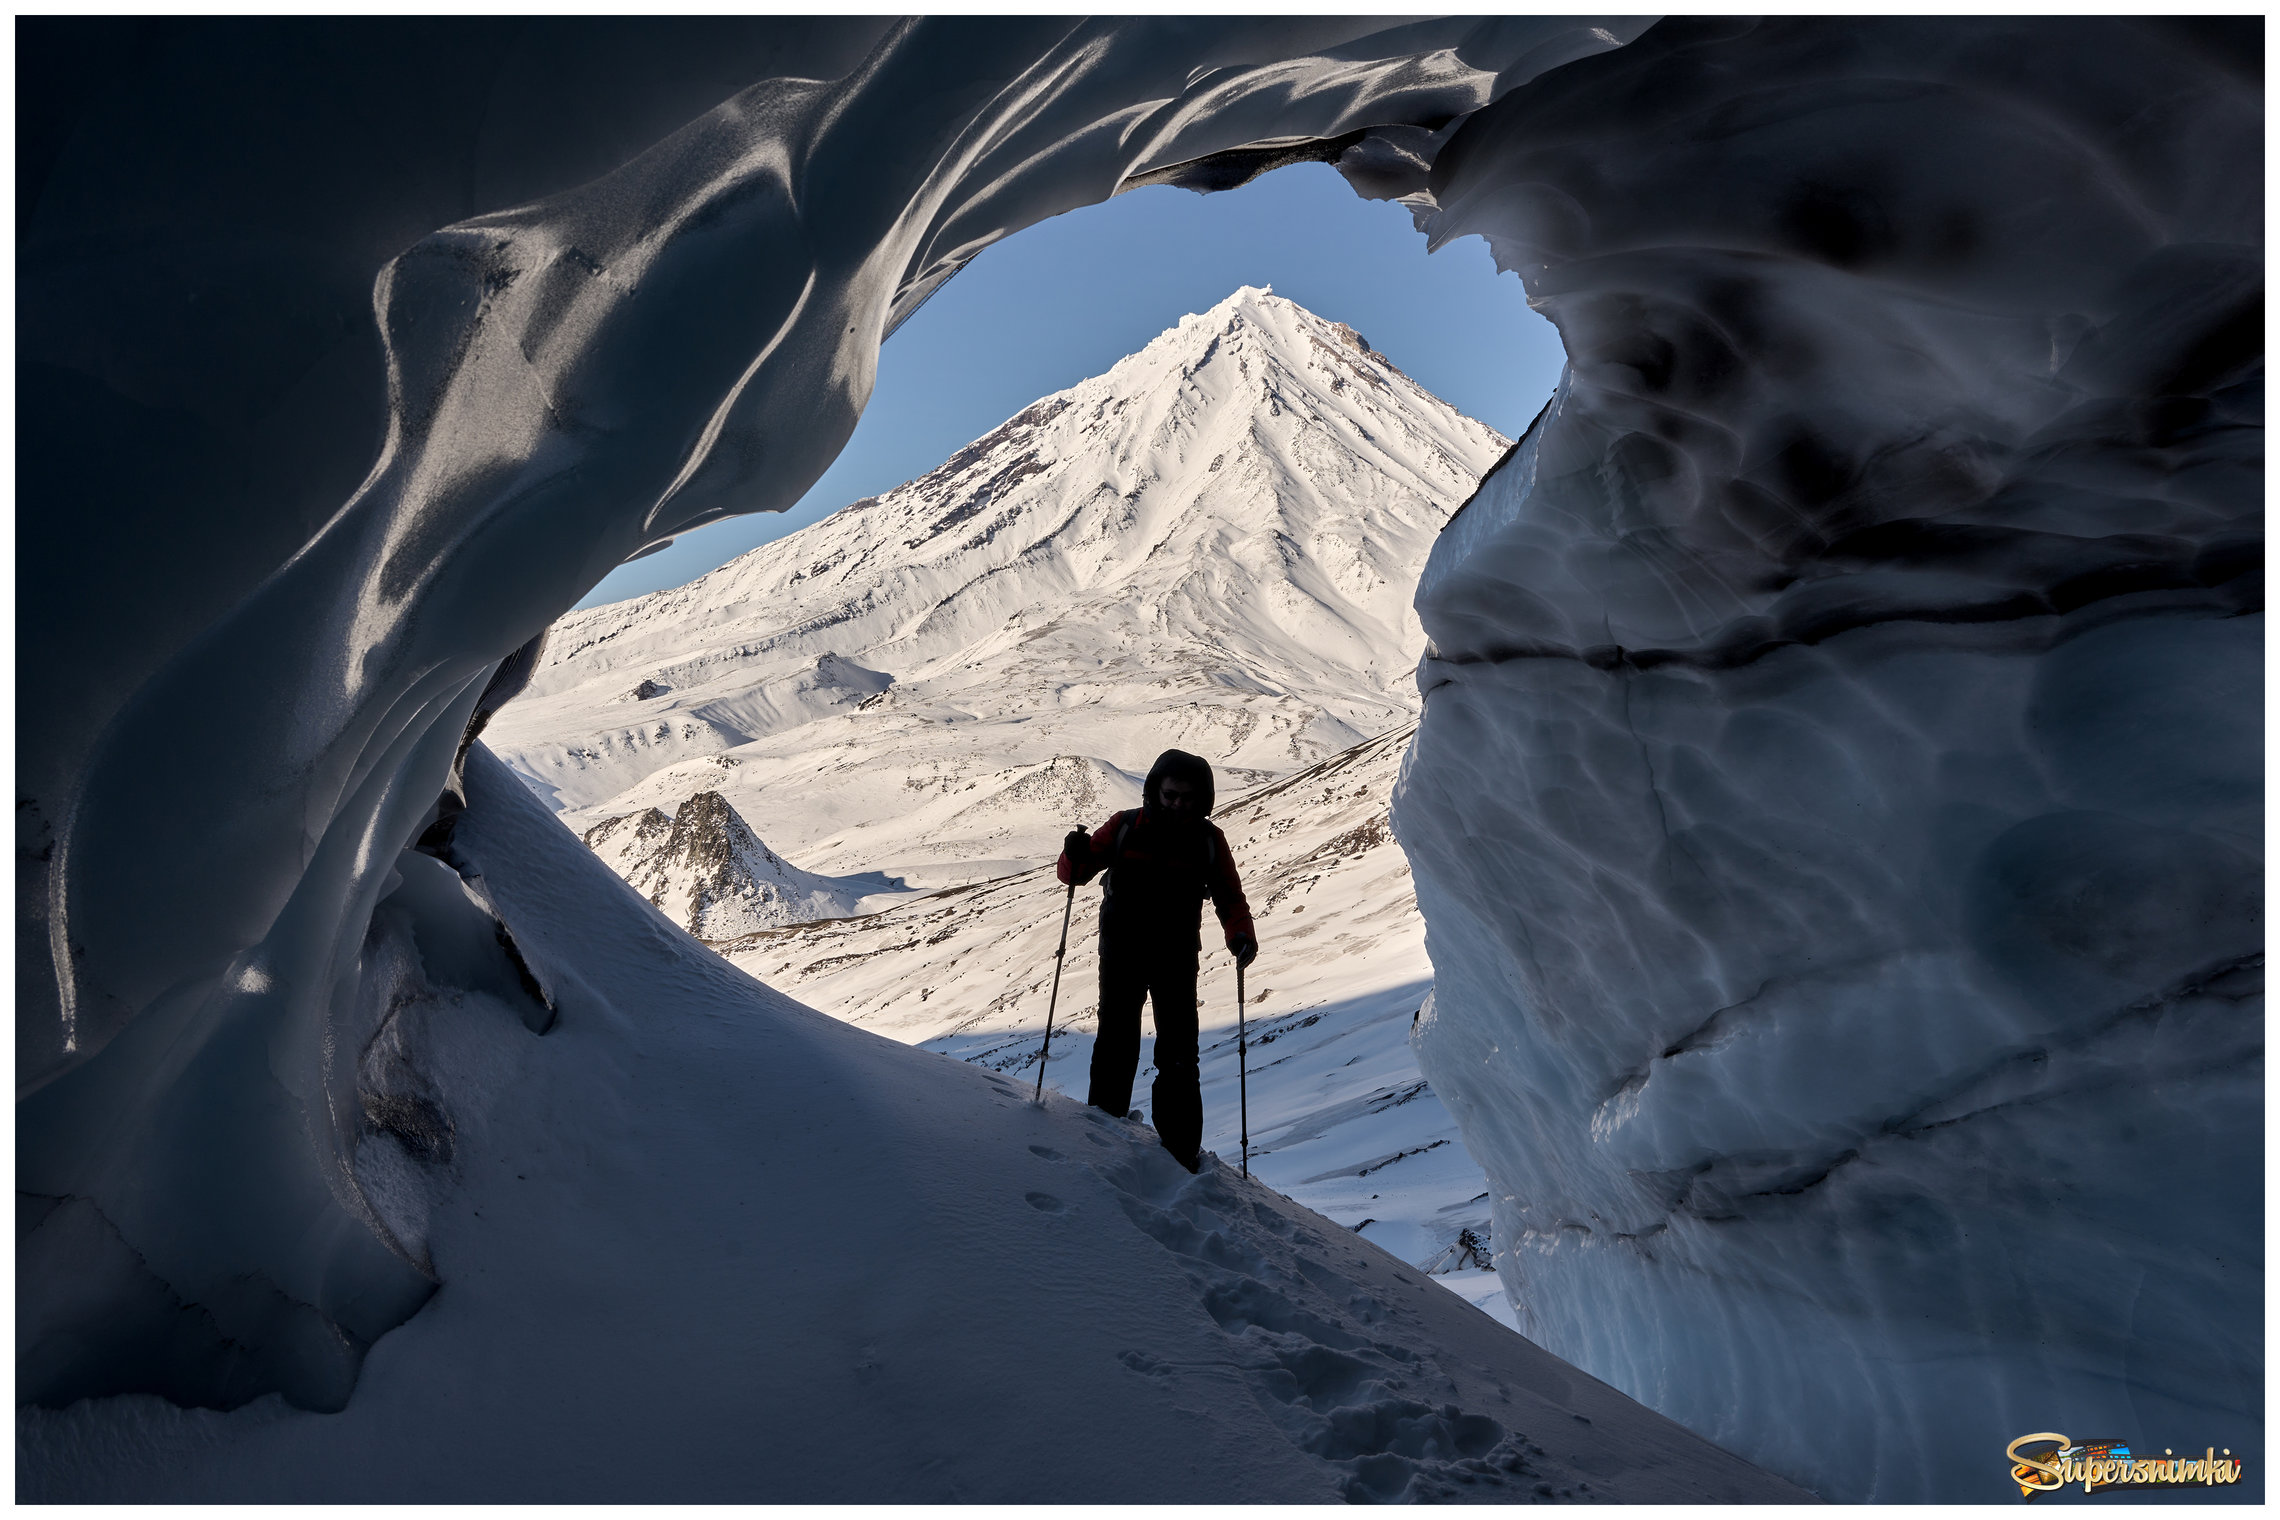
706 870
1127 626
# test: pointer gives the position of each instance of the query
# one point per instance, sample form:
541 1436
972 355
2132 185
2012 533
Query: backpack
1125 820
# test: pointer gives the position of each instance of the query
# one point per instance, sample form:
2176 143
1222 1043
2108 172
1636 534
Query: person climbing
1162 861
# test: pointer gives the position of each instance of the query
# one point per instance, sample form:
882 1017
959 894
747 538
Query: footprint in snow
1299 1327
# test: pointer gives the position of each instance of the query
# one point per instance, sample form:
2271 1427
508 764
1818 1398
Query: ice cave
1836 814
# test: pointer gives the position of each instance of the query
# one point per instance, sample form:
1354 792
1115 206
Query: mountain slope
1212 546
1340 1119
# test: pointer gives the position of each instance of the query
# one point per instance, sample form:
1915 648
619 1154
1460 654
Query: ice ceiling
1838 810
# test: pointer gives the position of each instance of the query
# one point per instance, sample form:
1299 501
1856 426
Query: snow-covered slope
702 1244
1212 546
1340 1119
707 871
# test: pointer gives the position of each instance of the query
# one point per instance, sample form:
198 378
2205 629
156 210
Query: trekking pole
1242 1069
1046 1049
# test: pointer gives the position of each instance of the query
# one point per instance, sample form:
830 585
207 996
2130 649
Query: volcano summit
1213 545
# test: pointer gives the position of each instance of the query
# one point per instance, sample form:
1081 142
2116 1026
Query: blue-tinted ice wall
1838 811
1839 765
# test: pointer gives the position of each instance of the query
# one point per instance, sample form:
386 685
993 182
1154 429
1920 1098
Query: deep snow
629 342
699 1243
1277 485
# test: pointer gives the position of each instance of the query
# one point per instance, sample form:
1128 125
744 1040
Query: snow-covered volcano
1840 813
994 652
1213 545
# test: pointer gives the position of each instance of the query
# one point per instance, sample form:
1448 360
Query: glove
1078 844
1245 949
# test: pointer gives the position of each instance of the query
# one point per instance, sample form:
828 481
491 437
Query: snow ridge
669 1198
1339 1118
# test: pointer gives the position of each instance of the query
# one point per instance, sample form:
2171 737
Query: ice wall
1838 808
270 667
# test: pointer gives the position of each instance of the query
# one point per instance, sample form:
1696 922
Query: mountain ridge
1209 545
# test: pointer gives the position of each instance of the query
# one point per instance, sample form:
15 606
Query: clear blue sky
1068 298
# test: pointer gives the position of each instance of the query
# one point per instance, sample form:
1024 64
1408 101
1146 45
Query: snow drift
1339 1119
701 1244
1915 412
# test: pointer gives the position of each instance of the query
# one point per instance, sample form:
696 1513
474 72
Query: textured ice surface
668 255
1838 782
1838 809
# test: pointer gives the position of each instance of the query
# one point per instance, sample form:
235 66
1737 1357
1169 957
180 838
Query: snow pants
1167 981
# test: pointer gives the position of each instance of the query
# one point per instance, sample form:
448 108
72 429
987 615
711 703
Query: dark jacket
1159 873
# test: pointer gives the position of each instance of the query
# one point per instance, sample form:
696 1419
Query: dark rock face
706 869
643 828
716 850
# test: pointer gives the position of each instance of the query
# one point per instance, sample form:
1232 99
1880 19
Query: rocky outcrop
706 869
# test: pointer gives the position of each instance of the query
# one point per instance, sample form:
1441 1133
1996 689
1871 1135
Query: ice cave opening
1837 812
845 760
1210 542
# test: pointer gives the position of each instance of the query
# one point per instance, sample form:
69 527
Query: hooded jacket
1159 872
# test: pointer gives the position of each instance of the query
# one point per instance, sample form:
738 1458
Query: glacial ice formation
677 318
1837 809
